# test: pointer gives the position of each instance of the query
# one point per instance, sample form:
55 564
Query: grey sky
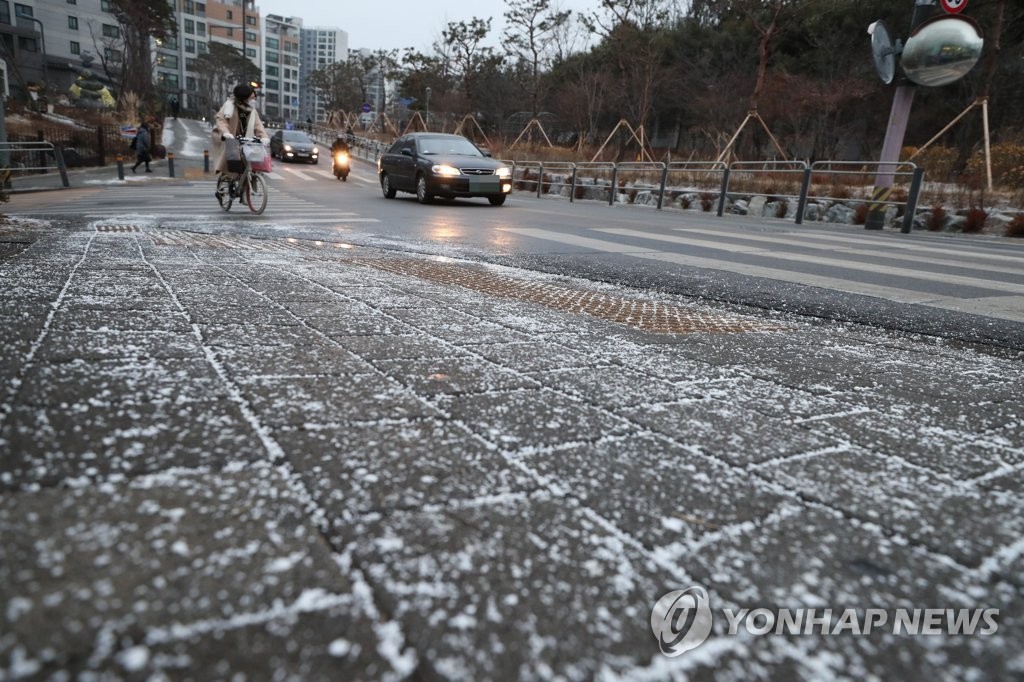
404 23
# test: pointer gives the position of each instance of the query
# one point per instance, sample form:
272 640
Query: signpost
953 6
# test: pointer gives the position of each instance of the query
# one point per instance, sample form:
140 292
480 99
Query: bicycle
248 185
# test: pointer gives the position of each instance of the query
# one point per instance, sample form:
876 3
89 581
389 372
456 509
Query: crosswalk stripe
995 306
875 268
975 250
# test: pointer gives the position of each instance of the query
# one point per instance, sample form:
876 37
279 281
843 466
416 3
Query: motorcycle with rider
340 163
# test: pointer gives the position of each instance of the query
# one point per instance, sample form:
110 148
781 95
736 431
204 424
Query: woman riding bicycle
237 118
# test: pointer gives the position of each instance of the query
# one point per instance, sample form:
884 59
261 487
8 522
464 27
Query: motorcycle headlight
503 172
446 170
341 156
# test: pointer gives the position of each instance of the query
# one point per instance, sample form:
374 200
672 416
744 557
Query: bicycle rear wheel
256 193
224 193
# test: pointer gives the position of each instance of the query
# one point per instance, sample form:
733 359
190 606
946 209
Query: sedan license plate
484 185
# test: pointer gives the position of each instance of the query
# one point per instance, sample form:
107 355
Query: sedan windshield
296 136
448 146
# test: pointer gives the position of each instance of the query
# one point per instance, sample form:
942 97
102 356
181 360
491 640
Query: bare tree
531 28
140 22
469 56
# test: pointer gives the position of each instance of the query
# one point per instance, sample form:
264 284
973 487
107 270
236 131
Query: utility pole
899 116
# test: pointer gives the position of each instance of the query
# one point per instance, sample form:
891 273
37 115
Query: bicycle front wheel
256 193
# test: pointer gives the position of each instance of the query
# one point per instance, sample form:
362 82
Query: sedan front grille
477 171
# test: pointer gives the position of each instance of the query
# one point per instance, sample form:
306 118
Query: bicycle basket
257 156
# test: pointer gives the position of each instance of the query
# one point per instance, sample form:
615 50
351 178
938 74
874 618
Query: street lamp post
427 121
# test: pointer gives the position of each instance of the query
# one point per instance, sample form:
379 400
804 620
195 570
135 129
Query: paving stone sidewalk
231 458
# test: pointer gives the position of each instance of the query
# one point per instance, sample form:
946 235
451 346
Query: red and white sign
953 6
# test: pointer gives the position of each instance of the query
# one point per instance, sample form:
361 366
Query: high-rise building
281 65
320 48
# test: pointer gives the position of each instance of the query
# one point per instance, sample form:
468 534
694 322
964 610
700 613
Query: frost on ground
220 461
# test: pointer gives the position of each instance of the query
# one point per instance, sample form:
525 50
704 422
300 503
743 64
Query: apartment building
281 67
42 41
320 47
231 22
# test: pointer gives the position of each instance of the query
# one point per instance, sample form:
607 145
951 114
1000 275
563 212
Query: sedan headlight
503 172
316 150
287 147
445 170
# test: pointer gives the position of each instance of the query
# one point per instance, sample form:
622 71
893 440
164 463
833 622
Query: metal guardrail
540 177
701 172
898 169
35 153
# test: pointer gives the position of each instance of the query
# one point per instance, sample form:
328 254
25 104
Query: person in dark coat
142 145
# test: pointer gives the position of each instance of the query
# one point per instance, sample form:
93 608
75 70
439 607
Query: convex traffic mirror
941 50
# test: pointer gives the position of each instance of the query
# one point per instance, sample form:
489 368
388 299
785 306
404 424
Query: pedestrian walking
142 148
175 107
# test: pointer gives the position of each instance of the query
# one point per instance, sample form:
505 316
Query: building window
72 2
110 31
5 12
201 9
201 48
168 61
273 44
73 23
26 44
105 6
190 46
251 37
168 81
190 26
250 52
190 83
190 7
75 47
231 15
200 28
112 56
272 71
273 57
22 10
272 84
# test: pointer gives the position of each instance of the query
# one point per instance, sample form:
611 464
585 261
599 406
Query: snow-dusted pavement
290 460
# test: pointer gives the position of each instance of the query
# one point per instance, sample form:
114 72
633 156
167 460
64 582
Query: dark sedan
449 166
294 145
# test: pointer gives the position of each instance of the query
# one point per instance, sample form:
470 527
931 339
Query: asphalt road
963 287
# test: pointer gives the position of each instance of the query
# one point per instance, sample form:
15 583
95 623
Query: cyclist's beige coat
227 122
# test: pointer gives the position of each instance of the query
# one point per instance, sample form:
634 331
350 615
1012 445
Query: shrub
860 214
974 220
840 191
782 208
1015 228
684 201
1007 164
938 162
707 201
937 219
